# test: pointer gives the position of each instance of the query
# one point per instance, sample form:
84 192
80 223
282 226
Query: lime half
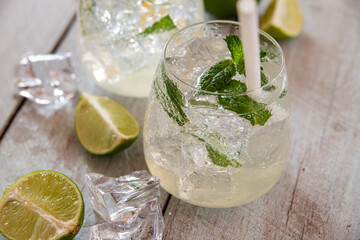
103 126
283 19
41 205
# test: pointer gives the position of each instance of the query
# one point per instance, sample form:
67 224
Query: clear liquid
113 53
182 162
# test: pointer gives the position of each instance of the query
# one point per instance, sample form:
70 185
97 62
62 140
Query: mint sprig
217 76
243 105
266 54
217 148
171 102
234 45
283 93
162 25
264 81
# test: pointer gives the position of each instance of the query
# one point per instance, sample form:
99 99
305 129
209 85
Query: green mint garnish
240 67
217 76
221 159
217 149
235 47
283 93
264 81
266 54
163 25
195 102
243 105
171 102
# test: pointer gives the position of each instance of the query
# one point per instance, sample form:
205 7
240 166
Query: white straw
250 38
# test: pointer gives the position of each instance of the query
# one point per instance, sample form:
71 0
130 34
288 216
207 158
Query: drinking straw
247 11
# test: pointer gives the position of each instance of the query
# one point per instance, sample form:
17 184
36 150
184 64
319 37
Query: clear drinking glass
216 148
120 41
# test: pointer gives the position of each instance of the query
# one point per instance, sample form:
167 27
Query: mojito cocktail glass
211 142
120 41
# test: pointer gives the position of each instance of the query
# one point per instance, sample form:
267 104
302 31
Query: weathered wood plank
43 137
27 26
318 194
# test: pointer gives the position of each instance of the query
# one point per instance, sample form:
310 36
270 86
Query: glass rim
261 32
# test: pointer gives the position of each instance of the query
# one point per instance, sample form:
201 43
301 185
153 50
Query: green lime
283 19
103 126
41 205
221 9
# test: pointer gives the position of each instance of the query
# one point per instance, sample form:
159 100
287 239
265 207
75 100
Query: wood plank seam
166 204
12 117
65 33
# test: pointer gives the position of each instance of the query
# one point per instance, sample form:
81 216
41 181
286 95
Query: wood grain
318 194
27 26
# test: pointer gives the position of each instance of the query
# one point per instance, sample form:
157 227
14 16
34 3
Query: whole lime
221 9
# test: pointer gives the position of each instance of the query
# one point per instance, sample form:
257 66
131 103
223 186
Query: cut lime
103 126
282 19
41 205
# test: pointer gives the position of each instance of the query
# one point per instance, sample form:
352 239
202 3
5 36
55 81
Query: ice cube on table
119 198
46 79
146 223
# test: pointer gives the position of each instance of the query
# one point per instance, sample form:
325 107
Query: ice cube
146 223
119 198
46 79
190 59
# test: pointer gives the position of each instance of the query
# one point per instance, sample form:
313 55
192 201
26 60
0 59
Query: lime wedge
282 19
41 205
103 126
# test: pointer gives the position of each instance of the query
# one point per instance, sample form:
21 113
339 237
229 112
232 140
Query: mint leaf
221 159
195 102
235 47
171 102
246 107
164 24
283 93
240 66
266 54
217 148
264 81
217 76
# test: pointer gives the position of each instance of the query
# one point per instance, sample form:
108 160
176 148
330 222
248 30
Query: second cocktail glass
120 41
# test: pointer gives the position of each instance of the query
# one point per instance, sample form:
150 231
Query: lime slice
282 19
41 205
103 126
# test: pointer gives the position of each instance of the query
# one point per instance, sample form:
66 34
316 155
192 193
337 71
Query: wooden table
318 195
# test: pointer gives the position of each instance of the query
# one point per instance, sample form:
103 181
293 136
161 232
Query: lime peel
103 126
19 196
283 19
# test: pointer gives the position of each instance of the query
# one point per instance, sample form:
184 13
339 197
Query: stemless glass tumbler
211 142
120 41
